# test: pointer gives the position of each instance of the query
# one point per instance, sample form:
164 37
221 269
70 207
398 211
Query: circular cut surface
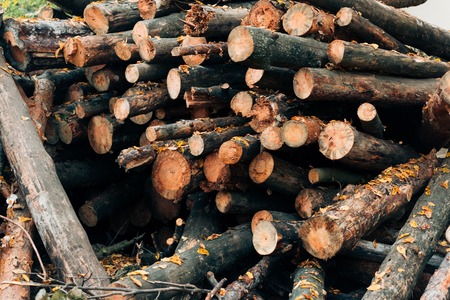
100 132
271 138
294 133
240 44
196 145
367 112
261 167
88 216
132 74
298 20
223 201
173 83
95 19
121 109
230 152
303 83
265 238
336 140
215 170
253 76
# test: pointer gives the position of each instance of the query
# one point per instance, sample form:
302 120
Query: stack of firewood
299 144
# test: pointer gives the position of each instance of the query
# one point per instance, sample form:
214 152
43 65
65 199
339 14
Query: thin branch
216 289
32 244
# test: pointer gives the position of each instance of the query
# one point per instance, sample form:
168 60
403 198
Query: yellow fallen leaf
409 240
374 287
431 204
402 251
443 243
135 281
444 184
213 236
202 251
427 191
25 277
374 243
413 224
24 219
395 190
403 235
176 259
137 272
24 118
222 292
400 270
249 275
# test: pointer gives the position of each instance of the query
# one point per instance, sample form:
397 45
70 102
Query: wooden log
369 57
255 276
175 174
146 72
235 202
272 216
341 141
158 50
213 96
71 129
40 104
162 209
127 50
93 105
185 128
35 44
73 8
403 3
277 174
152 97
43 190
203 221
334 175
17 248
165 27
271 110
437 287
75 174
205 143
239 149
150 9
108 79
209 21
93 50
260 48
47 12
172 112
415 244
310 200
330 231
300 131
309 280
268 78
264 14
181 79
195 51
270 138
109 200
370 121
321 84
134 157
306 20
434 130
405 27
230 246
106 17
351 21
100 132
274 238
77 91
242 103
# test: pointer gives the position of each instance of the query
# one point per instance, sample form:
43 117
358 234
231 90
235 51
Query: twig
218 286
32 244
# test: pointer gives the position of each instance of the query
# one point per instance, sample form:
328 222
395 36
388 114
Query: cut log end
336 140
142 119
321 237
303 83
150 134
121 109
444 86
124 50
147 9
101 81
367 112
65 133
264 15
298 20
344 16
262 215
88 216
196 145
313 176
132 74
174 83
140 32
215 170
100 133
74 52
261 167
171 173
271 138
230 152
242 104
240 44
335 51
253 76
304 202
96 20
147 50
265 238
197 59
294 133
223 201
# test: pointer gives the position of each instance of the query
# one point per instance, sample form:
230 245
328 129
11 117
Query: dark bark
72 7
239 149
146 72
309 280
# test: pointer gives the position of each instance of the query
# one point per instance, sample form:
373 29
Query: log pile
253 150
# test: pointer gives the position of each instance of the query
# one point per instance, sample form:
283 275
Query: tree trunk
165 27
40 104
438 287
368 57
158 50
146 72
352 23
305 20
370 121
260 48
108 79
272 216
435 127
408 29
242 103
93 50
403 3
213 96
162 209
224 252
106 17
277 174
150 9
310 200
92 106
341 177
340 226
239 149
127 50
269 78
309 280
341 141
264 14
321 84
63 236
136 156
195 53
301 131
415 243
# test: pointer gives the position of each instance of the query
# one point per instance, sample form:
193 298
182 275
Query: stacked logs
308 130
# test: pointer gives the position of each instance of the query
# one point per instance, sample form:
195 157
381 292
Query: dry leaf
176 259
431 204
24 118
395 190
413 224
24 219
444 184
249 275
400 270
213 236
403 235
374 287
202 251
427 191
135 281
25 277
137 272
402 251
374 243
409 240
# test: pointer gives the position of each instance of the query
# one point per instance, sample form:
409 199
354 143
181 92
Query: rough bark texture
261 48
63 236
342 177
370 121
439 285
310 200
269 78
239 149
301 131
403 3
264 14
158 50
309 281
346 221
415 243
146 72
272 238
322 84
